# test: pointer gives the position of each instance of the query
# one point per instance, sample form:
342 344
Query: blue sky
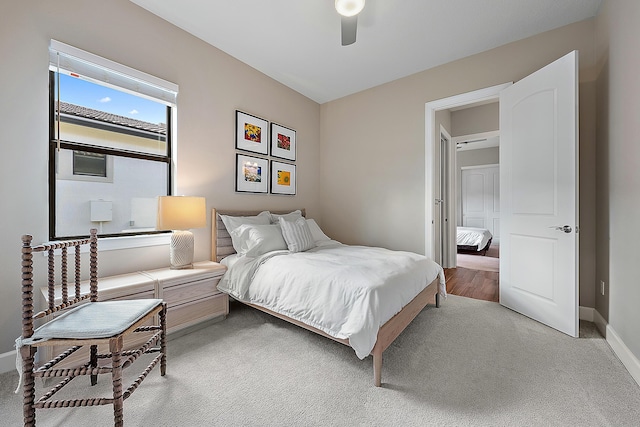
91 95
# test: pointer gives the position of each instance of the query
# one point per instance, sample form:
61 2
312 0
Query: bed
474 240
270 280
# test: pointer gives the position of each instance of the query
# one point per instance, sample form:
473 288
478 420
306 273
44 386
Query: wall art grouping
254 172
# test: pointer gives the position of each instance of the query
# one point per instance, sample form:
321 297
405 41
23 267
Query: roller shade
73 61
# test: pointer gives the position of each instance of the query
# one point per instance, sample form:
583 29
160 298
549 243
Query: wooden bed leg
437 300
377 368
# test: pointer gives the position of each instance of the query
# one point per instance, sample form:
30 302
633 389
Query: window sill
126 242
130 242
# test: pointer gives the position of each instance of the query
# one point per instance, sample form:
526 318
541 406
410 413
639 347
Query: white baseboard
7 361
586 313
628 359
601 324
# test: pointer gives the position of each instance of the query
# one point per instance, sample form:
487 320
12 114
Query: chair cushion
96 320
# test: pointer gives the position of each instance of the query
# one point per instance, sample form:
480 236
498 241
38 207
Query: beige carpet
468 363
488 262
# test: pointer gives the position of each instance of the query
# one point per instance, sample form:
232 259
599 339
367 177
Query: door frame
447 182
432 161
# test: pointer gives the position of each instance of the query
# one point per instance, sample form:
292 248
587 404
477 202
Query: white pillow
297 235
255 240
229 260
316 232
233 222
291 216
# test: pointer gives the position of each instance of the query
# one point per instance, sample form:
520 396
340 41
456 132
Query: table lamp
180 213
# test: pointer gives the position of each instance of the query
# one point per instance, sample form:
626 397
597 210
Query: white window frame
107 72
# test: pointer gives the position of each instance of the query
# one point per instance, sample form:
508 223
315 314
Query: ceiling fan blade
349 29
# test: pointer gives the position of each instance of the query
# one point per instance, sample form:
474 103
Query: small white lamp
179 213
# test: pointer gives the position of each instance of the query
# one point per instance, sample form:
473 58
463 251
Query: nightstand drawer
184 315
180 294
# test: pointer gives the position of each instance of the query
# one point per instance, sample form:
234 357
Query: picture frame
283 178
283 142
252 133
252 174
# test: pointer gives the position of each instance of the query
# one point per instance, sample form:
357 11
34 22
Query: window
89 164
110 149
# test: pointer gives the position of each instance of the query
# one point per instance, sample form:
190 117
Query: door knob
565 228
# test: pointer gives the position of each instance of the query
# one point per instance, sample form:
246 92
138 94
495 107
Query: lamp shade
181 212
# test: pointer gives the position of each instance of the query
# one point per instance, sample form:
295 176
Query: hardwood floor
476 284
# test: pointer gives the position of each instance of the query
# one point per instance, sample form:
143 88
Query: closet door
480 187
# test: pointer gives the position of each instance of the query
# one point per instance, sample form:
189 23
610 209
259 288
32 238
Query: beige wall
481 156
618 130
602 162
483 118
212 86
587 194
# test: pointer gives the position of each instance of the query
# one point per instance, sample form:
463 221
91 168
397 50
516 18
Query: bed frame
474 249
221 247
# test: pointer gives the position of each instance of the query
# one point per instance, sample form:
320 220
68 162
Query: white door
539 197
480 195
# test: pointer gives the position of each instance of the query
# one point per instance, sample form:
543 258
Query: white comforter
346 291
471 236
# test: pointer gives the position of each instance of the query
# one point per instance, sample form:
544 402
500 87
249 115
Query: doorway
477 200
432 160
468 274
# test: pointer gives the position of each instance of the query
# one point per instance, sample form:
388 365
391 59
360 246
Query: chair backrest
27 276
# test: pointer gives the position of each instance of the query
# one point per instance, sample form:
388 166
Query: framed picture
252 133
252 174
283 178
283 142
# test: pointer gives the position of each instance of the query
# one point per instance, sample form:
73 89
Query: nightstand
191 294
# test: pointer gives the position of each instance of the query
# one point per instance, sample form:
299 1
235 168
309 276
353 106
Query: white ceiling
297 42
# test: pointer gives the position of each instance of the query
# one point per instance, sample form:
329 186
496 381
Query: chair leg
28 386
93 361
115 347
163 339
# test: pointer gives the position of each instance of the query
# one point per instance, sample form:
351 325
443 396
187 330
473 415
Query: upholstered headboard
221 245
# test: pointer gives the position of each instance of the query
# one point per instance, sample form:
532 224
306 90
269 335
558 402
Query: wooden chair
91 324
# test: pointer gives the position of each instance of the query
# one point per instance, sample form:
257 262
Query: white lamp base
181 254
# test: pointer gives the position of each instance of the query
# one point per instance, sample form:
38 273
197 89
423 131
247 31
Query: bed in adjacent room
474 240
283 264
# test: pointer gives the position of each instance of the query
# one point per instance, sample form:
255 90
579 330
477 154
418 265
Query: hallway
476 276
477 284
